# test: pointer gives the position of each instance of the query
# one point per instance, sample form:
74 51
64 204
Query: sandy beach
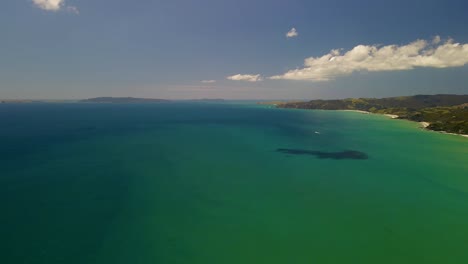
424 124
358 111
391 116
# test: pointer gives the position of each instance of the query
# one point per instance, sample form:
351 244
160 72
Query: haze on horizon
181 49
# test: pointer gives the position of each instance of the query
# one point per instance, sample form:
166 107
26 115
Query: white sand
358 111
443 132
424 124
392 116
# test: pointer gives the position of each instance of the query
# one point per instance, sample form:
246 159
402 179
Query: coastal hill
123 100
443 112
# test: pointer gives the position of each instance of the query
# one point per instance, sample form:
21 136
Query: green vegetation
444 112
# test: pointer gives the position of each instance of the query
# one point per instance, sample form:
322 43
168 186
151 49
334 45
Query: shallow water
204 183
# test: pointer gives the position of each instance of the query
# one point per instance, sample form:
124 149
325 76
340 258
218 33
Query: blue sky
179 49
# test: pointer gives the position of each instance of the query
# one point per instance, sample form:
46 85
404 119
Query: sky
242 49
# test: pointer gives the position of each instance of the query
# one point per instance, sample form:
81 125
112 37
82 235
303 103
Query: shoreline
357 111
423 125
448 133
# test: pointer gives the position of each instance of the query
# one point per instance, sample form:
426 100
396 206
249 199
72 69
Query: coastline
357 111
447 133
423 125
444 113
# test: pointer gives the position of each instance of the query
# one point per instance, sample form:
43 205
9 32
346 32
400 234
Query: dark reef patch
346 154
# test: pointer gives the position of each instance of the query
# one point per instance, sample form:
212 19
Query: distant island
18 101
213 100
123 100
117 100
442 112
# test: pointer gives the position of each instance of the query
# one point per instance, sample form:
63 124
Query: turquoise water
203 183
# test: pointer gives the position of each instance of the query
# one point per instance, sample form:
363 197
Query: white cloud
54 5
375 58
51 5
292 33
208 81
73 9
245 77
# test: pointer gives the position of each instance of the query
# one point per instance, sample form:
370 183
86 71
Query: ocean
234 182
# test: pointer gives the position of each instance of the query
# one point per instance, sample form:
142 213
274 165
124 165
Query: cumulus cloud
245 77
375 58
51 5
208 81
292 33
54 5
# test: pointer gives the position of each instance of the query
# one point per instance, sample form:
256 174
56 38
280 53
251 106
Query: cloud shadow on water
346 154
